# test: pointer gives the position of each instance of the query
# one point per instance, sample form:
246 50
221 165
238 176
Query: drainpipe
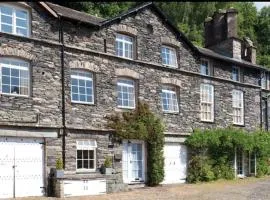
261 99
61 40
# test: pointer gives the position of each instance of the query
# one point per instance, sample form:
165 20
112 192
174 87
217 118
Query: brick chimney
248 50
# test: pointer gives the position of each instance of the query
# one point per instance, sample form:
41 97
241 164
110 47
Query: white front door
175 165
133 161
21 167
240 163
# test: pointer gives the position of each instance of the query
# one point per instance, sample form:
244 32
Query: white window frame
127 85
87 145
123 41
172 51
27 68
85 79
171 90
238 69
207 101
14 8
236 108
208 67
265 81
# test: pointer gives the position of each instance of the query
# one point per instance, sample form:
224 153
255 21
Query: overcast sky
259 5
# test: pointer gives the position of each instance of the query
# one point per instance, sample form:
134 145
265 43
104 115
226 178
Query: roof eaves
53 13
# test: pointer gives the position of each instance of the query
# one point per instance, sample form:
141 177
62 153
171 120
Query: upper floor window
207 102
205 67
238 107
124 46
169 99
14 77
86 155
126 93
82 87
14 20
168 55
236 73
265 81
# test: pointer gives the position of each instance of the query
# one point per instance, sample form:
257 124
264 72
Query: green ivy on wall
213 150
142 124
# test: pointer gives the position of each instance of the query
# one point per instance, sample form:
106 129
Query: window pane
21 22
6 89
6 19
5 71
6 10
91 162
85 154
6 28
21 14
75 97
79 164
85 164
79 154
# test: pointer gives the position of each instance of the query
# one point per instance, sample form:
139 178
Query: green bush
142 124
108 162
59 163
213 151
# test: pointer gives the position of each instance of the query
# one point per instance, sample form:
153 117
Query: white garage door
21 167
175 167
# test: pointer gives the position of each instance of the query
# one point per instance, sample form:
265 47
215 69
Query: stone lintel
84 65
127 72
171 81
126 29
20 53
170 41
19 132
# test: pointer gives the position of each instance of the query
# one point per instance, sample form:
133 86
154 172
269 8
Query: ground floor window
86 155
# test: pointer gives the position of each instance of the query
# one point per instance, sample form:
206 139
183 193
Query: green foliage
59 163
213 150
108 162
142 124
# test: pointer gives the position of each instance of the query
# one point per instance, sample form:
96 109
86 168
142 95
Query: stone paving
246 189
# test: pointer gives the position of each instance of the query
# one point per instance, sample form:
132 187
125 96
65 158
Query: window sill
126 108
86 171
15 95
84 103
171 112
27 36
170 66
240 125
125 57
210 122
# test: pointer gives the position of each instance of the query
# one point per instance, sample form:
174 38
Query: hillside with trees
189 18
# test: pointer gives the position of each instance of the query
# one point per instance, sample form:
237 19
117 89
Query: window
238 107
235 73
168 55
124 46
205 68
207 102
265 81
169 99
14 77
86 155
82 87
126 93
14 20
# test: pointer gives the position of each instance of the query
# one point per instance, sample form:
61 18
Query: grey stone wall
43 107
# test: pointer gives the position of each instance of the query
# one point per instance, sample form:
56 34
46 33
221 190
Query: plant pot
108 171
59 173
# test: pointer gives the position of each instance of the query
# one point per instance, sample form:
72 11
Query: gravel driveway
250 188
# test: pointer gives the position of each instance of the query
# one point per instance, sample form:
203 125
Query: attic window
149 28
14 20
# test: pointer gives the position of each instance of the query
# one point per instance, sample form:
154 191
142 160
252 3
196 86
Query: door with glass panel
240 163
133 161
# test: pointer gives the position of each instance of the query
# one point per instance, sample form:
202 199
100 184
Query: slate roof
212 54
97 21
75 15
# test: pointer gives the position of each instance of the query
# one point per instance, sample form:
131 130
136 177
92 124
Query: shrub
142 124
59 164
108 162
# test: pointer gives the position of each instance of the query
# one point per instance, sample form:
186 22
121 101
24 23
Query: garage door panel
175 162
6 169
27 154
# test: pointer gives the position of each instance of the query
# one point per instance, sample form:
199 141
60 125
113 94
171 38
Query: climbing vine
142 124
212 152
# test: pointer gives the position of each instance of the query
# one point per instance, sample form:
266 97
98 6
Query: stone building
63 71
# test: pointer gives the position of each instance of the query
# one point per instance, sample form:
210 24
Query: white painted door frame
127 162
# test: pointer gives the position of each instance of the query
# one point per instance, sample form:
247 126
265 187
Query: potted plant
59 172
106 168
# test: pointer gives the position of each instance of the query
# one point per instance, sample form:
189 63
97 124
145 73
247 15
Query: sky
259 5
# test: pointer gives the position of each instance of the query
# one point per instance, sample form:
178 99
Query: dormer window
14 20
124 46
235 73
205 67
168 55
